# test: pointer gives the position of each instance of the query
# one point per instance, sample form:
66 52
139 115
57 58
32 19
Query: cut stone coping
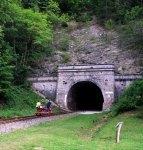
12 126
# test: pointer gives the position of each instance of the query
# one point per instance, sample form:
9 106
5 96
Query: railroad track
12 124
7 120
15 119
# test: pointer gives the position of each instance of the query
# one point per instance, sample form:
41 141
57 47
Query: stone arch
85 95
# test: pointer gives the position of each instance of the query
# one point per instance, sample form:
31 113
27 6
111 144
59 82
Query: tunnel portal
85 95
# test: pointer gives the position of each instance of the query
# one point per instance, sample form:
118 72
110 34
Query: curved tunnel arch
85 95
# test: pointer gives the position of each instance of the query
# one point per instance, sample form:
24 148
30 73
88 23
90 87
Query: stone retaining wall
122 82
111 85
45 85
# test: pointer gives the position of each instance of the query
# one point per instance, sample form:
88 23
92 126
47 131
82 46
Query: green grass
29 111
14 112
78 133
19 102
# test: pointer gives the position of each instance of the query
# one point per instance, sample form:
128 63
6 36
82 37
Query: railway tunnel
85 96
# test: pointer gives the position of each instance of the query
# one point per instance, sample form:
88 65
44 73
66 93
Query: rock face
89 44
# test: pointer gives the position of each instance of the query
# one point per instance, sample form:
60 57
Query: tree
29 34
6 65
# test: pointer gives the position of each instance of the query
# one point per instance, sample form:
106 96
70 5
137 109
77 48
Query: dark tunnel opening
85 95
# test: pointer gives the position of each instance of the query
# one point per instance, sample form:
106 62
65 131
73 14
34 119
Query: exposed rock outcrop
89 44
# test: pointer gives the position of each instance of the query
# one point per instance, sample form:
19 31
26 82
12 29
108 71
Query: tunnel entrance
85 95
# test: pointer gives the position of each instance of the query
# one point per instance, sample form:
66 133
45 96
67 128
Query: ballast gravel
12 126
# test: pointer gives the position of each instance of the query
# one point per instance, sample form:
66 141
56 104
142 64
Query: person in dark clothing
49 105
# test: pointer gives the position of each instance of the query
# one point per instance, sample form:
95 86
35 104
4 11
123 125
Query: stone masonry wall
45 85
122 82
101 75
57 88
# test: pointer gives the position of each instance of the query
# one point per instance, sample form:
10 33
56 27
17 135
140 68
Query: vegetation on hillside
131 99
20 101
26 30
125 16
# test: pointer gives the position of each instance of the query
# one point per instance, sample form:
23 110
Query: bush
134 14
64 24
131 35
85 17
64 44
131 99
66 58
19 101
109 24
21 98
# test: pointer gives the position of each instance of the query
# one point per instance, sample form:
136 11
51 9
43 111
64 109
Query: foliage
115 9
53 14
134 14
131 35
6 66
84 17
26 30
109 13
66 58
128 15
6 69
48 7
131 99
28 24
27 33
31 4
74 7
15 112
63 44
109 24
20 101
20 98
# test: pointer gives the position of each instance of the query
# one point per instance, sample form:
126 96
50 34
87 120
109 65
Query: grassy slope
77 133
20 102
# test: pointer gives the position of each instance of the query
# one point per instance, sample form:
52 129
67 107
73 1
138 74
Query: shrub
85 17
64 24
21 98
66 58
64 44
134 14
131 35
131 99
109 24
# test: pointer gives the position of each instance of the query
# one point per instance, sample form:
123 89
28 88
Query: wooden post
118 128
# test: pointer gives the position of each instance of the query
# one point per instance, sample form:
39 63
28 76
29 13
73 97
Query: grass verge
19 102
78 133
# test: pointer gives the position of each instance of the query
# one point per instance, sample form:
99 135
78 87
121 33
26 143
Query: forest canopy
26 29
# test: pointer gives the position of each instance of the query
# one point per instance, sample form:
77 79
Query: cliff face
89 44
